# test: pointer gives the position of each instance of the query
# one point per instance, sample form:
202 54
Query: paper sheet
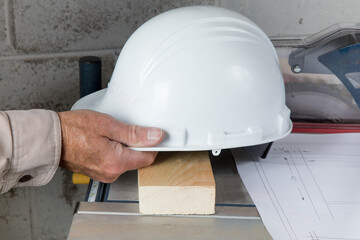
308 187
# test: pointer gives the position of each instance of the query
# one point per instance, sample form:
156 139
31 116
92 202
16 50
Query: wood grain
177 183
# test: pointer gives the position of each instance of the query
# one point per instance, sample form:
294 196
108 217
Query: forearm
32 143
30 148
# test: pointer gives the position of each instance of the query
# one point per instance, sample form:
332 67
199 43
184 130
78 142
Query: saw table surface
116 215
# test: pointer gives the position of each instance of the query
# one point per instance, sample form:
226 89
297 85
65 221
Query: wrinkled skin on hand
95 144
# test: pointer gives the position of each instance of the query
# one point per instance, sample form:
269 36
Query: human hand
95 144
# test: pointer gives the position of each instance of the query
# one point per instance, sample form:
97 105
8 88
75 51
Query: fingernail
154 134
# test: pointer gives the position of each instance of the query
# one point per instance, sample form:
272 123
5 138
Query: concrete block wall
41 42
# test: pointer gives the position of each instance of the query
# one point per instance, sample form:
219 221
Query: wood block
177 183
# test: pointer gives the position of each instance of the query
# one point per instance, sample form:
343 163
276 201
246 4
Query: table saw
313 87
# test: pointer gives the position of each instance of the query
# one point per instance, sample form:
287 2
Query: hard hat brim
90 101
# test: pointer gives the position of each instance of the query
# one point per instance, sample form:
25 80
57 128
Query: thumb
135 136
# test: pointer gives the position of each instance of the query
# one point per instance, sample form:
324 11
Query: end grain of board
177 183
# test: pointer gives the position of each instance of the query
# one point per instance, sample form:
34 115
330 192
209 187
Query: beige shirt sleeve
30 148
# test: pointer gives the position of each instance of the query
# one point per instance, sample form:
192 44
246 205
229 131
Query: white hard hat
206 75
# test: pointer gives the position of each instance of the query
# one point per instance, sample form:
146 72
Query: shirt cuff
36 148
5 136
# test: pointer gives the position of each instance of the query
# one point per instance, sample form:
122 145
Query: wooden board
177 183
